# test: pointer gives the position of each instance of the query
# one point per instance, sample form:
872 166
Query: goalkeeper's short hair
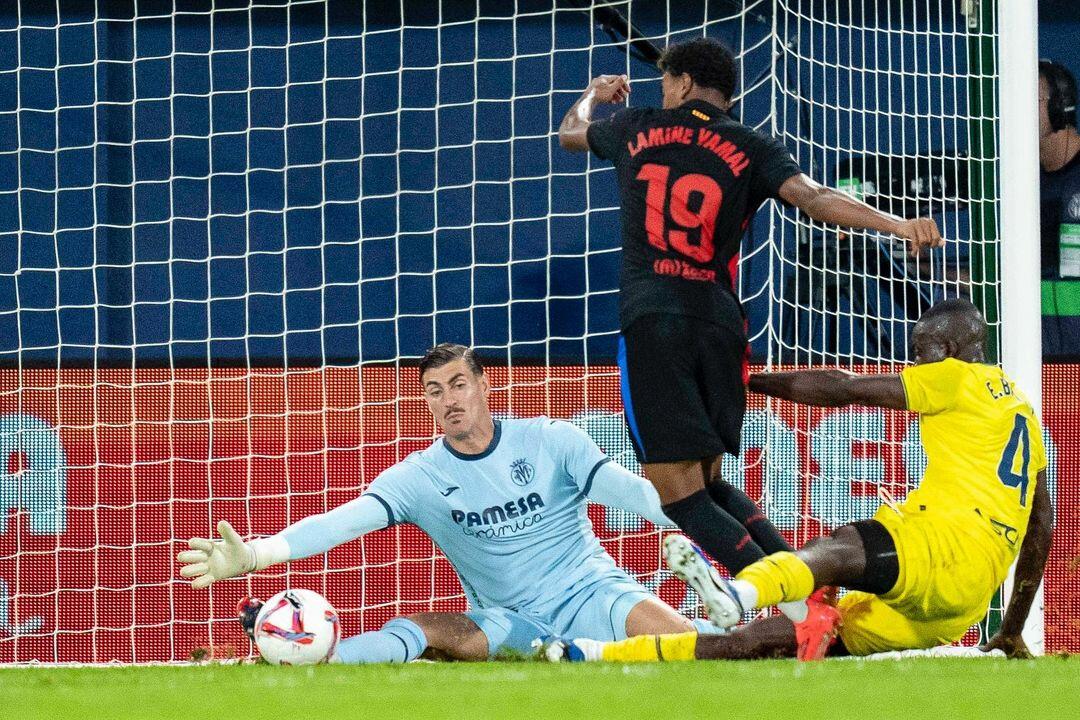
444 353
707 60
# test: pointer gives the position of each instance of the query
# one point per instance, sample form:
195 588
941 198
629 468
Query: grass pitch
838 690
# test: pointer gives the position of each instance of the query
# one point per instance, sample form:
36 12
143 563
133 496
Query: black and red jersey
690 180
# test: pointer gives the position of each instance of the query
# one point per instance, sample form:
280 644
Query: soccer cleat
576 650
816 634
247 610
690 565
825 594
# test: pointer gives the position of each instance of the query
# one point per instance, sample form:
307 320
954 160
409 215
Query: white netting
894 104
227 227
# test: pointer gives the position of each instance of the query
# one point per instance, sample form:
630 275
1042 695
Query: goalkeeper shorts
597 611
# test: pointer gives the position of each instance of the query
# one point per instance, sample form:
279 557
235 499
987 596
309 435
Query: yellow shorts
950 568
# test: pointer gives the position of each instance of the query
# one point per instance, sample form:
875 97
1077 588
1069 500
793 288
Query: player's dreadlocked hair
444 353
706 60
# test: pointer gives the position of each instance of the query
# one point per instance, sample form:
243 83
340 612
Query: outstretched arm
575 124
317 534
832 388
1029 571
208 561
615 486
825 204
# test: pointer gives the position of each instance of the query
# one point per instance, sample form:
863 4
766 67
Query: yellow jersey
983 444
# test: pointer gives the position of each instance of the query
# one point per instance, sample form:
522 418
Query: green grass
920 688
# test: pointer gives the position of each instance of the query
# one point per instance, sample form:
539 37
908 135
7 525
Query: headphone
1061 106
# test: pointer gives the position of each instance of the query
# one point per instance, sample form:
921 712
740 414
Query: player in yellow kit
922 572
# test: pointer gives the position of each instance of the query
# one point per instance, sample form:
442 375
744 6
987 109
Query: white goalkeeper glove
211 560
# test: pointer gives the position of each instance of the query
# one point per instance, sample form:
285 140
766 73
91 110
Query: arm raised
575 124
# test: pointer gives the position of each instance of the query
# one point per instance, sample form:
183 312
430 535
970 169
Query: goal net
228 229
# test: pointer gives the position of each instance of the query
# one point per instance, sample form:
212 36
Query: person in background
1059 186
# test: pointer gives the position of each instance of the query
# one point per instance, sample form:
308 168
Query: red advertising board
108 471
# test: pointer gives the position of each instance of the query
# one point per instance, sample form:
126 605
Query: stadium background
175 203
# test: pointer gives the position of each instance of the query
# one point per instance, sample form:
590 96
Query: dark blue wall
1059 29
189 189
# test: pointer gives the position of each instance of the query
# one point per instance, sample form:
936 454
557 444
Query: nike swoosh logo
447 491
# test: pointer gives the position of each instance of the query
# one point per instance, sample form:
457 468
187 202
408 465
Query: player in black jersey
691 178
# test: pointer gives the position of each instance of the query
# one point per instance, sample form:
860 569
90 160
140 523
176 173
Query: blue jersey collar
479 456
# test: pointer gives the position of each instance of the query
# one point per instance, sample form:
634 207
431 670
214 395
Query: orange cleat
816 634
825 594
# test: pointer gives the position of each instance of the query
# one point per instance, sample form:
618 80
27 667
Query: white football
297 627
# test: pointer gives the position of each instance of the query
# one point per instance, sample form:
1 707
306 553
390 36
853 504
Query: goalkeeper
921 572
506 502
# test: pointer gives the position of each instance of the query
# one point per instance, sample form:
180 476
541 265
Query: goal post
1021 333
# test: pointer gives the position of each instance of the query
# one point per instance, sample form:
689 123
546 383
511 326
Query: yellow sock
650 648
780 577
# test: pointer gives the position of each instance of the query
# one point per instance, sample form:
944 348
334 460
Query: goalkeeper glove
211 560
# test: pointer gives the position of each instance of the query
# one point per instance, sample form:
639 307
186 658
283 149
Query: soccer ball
297 627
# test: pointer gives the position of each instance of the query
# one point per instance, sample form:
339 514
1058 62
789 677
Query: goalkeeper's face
457 398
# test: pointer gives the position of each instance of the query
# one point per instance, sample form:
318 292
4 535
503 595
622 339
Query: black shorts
683 387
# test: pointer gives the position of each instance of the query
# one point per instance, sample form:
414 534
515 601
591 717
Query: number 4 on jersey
1008 458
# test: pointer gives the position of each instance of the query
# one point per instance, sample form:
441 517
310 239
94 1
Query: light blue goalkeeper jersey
512 520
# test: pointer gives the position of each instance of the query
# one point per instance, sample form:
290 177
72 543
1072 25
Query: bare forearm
837 208
576 121
1030 562
573 131
832 206
809 387
832 388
